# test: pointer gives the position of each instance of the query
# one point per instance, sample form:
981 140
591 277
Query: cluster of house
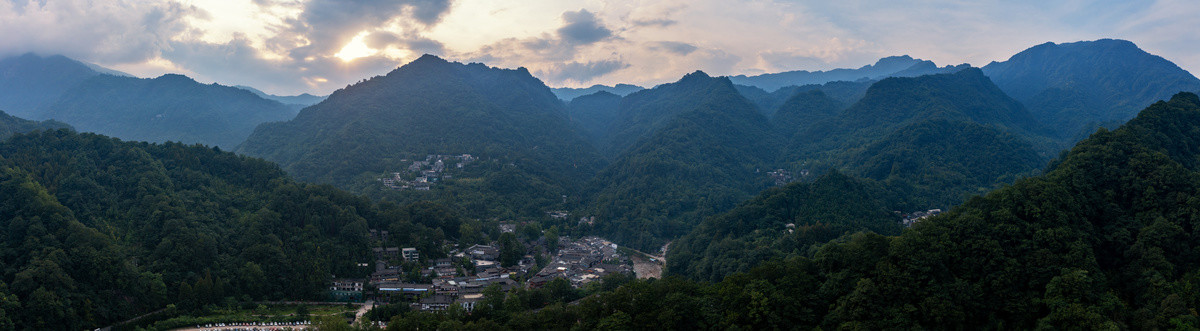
781 177
456 280
429 171
914 217
461 278
582 262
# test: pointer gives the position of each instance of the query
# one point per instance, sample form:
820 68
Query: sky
290 47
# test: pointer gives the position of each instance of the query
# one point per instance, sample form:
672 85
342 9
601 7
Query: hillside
98 230
434 107
10 125
29 83
1072 85
802 110
595 113
782 222
168 108
696 147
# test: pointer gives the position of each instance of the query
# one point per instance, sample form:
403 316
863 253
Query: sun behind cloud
356 48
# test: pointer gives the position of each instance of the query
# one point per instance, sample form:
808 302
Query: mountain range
168 108
567 93
892 66
300 101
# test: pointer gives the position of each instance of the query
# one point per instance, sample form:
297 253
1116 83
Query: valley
1055 189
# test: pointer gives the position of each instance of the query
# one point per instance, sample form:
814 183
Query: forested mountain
892 66
431 106
567 93
783 222
302 100
98 230
168 108
1072 85
894 103
1104 240
846 93
941 163
29 83
695 148
595 113
931 164
941 138
10 125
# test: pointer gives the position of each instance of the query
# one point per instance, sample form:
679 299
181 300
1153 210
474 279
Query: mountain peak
175 78
696 75
900 59
428 60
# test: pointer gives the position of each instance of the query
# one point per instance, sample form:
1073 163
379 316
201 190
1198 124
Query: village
917 216
421 175
403 275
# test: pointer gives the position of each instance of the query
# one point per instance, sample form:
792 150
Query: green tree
511 250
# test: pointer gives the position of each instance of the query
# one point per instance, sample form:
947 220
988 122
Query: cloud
411 42
117 31
327 25
580 72
582 27
556 54
288 46
674 47
238 62
656 22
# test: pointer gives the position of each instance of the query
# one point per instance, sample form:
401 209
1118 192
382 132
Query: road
362 310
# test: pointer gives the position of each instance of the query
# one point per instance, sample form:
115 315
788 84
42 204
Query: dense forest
136 226
10 125
783 222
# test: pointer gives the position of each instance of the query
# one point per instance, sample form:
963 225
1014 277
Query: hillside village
421 175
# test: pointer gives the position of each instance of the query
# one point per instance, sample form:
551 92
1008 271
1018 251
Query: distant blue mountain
568 93
892 66
303 100
29 83
168 108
